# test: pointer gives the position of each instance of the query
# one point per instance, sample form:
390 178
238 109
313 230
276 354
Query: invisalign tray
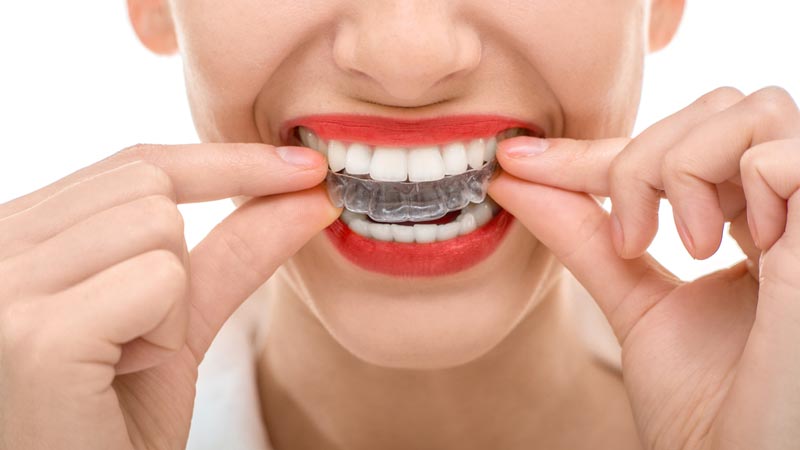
408 201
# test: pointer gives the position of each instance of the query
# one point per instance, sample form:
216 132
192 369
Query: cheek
590 54
417 325
230 50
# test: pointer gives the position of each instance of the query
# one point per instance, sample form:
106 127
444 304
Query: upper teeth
423 163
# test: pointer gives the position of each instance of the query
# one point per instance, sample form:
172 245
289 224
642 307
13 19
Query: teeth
308 138
447 231
471 218
468 223
417 164
322 146
425 164
402 233
358 158
455 158
475 151
349 216
360 227
490 150
482 213
381 231
425 233
389 164
337 156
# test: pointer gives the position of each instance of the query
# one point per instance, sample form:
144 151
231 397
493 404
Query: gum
407 201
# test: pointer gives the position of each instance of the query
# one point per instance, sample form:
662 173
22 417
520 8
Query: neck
315 394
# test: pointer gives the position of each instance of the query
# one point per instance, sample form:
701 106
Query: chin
440 340
422 323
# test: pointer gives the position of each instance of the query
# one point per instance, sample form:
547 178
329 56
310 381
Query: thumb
242 252
577 230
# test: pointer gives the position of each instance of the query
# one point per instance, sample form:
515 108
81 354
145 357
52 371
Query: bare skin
540 387
101 336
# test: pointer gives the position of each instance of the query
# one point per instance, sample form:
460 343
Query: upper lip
380 130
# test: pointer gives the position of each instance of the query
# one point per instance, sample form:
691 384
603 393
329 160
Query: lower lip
420 260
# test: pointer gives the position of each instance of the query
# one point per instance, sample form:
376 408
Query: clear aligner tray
408 201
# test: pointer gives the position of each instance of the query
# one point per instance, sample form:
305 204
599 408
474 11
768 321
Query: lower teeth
471 218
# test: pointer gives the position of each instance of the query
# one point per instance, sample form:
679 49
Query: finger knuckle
773 102
751 164
153 179
622 166
675 164
162 219
747 163
722 98
779 266
167 272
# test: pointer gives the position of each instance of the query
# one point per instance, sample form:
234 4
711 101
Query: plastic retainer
405 201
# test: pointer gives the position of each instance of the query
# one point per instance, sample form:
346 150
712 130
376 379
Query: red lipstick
386 131
412 259
418 260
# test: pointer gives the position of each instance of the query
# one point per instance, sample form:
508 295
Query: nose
407 47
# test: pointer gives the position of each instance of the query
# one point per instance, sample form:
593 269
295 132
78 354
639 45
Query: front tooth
455 158
448 231
475 150
402 233
358 159
388 164
337 155
381 231
491 149
425 233
425 164
308 138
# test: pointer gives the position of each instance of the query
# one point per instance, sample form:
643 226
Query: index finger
204 172
569 164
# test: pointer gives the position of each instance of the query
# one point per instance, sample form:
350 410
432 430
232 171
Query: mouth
413 192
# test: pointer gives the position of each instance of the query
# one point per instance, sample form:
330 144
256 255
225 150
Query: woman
368 340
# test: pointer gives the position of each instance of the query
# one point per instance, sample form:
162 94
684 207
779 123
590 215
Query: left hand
708 364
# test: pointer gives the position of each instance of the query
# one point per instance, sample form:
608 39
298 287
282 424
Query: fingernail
522 147
617 236
299 156
686 237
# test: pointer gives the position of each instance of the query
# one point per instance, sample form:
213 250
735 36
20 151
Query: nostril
406 51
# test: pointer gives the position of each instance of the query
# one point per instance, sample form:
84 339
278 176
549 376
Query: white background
75 86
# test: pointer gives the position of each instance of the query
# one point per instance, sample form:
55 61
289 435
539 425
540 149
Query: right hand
105 315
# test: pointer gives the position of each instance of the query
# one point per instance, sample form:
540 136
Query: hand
105 316
709 364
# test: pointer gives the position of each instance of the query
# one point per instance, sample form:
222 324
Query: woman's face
572 67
